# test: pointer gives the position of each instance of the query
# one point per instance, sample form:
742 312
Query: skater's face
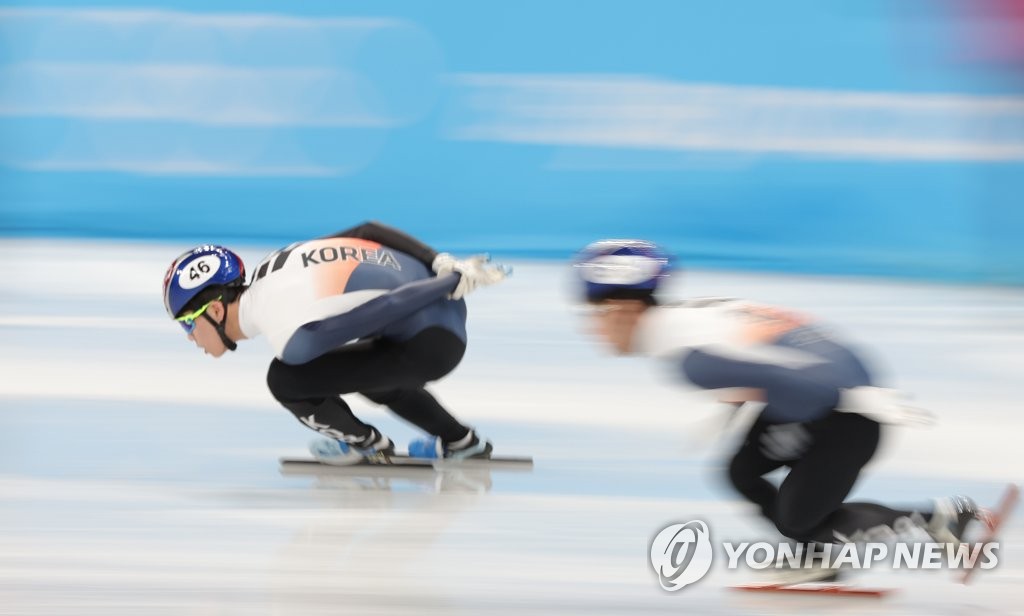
204 334
615 321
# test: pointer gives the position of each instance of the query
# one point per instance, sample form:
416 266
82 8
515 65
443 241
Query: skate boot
376 449
470 447
950 519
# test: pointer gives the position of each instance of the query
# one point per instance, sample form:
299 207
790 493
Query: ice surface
138 476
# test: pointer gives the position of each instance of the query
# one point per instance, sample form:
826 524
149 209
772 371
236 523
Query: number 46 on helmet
197 270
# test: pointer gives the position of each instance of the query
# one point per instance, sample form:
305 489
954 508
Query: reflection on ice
387 478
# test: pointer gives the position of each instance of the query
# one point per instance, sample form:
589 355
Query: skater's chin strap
228 342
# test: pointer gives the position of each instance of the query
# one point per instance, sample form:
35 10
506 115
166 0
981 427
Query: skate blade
507 463
994 520
818 588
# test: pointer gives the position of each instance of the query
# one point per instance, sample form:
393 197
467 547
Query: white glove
883 405
476 271
444 263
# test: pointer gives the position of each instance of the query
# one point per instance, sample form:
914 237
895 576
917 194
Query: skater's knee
741 477
281 383
795 533
386 398
795 525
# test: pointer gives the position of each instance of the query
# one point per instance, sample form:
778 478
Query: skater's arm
319 337
790 392
392 238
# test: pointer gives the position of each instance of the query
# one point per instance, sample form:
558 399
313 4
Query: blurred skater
368 310
822 415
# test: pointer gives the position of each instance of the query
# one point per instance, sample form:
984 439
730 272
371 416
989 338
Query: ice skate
471 447
950 519
993 520
377 449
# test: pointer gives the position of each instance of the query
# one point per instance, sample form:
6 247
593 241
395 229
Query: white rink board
139 477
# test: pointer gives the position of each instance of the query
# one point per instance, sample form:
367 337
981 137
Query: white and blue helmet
621 269
198 269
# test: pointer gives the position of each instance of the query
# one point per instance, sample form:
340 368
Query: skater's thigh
371 365
750 462
821 479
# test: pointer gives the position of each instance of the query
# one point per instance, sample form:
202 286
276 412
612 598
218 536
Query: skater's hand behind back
476 271
890 406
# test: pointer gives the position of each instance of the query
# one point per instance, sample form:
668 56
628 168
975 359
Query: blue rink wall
827 136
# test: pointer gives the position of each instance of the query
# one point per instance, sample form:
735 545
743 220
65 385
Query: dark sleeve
314 339
792 394
392 238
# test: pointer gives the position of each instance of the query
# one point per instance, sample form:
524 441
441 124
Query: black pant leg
810 504
421 409
747 470
435 352
392 372
331 417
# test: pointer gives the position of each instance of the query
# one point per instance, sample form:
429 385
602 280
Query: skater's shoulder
670 329
696 313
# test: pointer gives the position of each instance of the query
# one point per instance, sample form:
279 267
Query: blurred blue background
871 137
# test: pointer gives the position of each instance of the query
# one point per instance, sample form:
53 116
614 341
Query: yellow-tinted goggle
188 321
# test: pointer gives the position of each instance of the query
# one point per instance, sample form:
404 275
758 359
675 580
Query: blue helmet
621 269
198 269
